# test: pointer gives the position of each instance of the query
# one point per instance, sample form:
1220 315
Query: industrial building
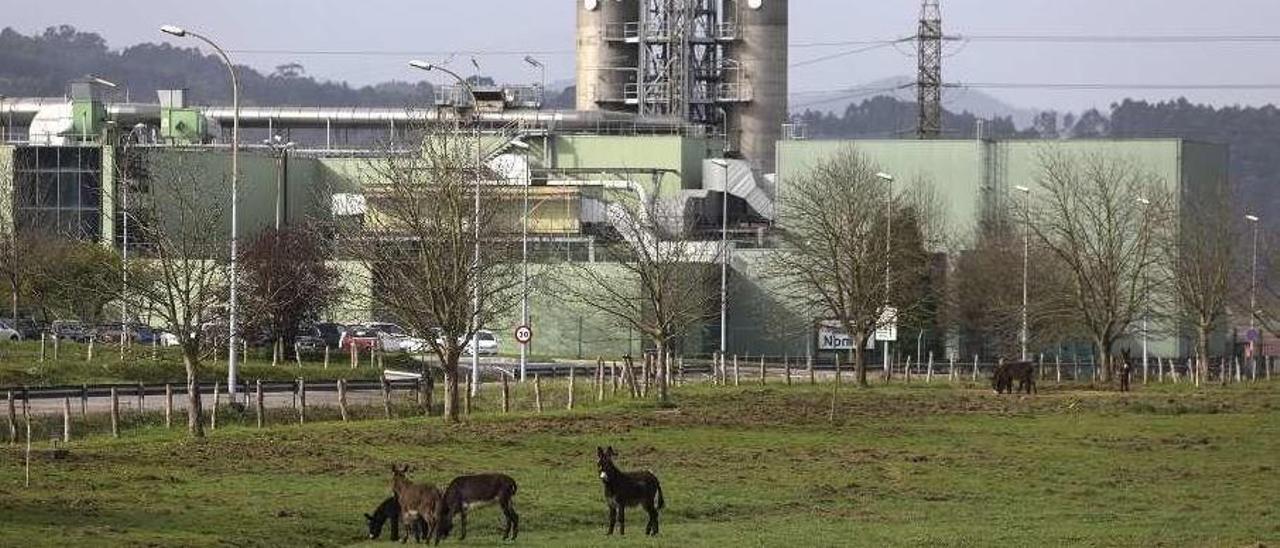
664 87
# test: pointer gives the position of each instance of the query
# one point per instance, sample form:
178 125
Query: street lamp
124 243
232 307
1026 254
524 253
1146 307
475 264
724 254
542 99
1253 286
888 251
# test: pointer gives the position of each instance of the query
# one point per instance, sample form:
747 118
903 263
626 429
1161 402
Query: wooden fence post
537 392
430 389
342 399
55 348
613 378
762 370
506 395
42 339
259 405
386 398
213 416
89 356
906 370
326 356
600 380
786 369
952 374
155 349
837 368
735 370
975 368
1057 366
84 401
808 364
142 398
572 374
302 401
13 418
115 413
66 420
928 375
168 406
680 370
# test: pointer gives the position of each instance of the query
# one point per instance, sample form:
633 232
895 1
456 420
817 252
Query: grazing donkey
389 510
421 506
466 492
1125 370
1023 372
623 489
387 513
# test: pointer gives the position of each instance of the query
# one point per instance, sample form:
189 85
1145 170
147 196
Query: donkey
1124 370
623 489
387 513
466 492
1023 372
421 506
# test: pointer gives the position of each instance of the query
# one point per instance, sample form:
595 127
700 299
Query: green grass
751 466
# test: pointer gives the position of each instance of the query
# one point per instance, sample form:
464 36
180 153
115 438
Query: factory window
58 190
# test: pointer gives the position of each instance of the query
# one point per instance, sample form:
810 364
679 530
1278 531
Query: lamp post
1253 290
542 91
124 242
1146 308
524 253
1026 254
724 255
233 304
475 264
888 252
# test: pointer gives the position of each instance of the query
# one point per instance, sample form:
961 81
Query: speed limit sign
524 334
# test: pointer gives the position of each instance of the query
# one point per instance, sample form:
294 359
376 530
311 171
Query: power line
1084 86
373 53
1121 39
838 55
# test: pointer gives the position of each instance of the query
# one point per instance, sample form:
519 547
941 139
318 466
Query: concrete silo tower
757 61
607 62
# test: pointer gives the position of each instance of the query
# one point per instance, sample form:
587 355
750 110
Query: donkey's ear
368 517
609 451
599 451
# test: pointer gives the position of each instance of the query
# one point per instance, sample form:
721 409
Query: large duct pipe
761 52
23 110
606 61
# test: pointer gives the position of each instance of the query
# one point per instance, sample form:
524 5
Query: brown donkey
417 501
467 492
623 489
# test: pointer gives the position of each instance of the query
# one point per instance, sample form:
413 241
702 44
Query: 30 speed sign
524 334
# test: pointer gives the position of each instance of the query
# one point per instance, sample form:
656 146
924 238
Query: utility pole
929 79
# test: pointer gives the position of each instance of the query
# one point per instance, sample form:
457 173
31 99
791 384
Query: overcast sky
432 28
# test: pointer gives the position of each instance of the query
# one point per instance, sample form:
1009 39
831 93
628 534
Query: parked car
484 344
27 328
167 339
331 333
308 340
138 333
8 333
360 337
72 330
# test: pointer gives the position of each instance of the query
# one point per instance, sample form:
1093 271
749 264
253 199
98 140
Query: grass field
758 466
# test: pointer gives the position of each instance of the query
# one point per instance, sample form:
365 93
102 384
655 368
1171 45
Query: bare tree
420 230
835 261
657 283
985 294
1100 215
1202 255
181 275
287 281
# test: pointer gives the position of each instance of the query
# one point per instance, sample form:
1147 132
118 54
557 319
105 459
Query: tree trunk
1202 350
859 360
191 359
451 391
664 394
1104 359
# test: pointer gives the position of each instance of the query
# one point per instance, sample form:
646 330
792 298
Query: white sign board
887 329
832 336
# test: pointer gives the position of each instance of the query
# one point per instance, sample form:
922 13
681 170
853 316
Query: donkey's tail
661 502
